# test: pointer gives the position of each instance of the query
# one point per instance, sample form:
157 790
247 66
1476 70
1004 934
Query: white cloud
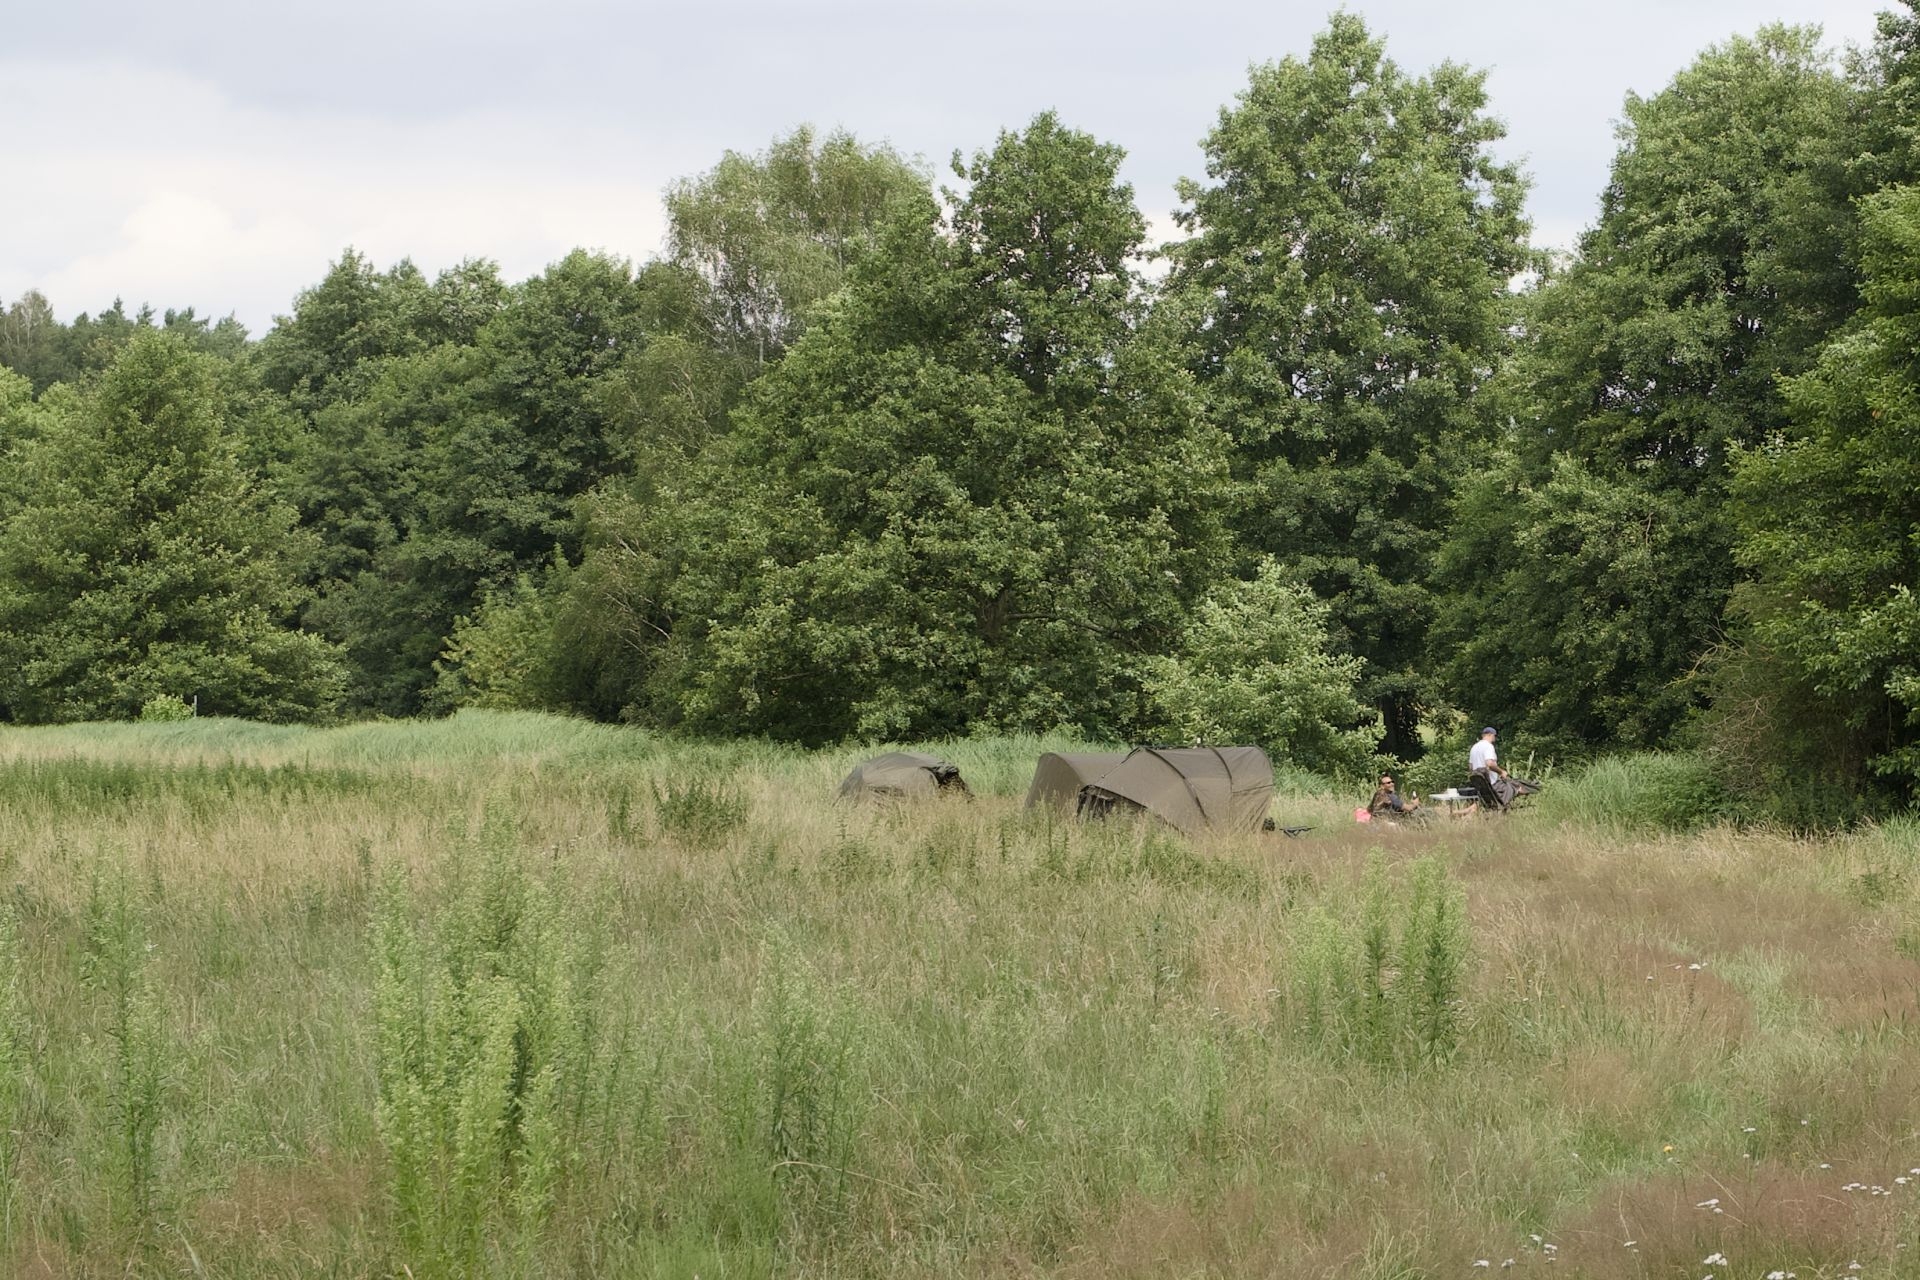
154 187
218 153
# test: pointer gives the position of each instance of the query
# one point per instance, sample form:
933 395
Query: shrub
114 964
486 1043
1798 758
1386 984
501 658
1663 791
699 811
796 1092
167 708
1256 666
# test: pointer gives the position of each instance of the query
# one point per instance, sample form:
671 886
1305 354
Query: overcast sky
219 153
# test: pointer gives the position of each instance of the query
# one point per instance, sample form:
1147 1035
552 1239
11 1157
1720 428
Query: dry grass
1071 1059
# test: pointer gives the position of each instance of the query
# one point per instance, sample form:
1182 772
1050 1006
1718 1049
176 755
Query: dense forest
1347 468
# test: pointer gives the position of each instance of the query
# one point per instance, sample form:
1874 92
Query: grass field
512 995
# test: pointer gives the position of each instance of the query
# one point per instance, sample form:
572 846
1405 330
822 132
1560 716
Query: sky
220 153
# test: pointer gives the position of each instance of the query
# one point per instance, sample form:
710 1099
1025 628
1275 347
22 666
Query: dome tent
1191 789
900 775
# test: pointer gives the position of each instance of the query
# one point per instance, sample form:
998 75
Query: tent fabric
1191 789
1059 776
900 774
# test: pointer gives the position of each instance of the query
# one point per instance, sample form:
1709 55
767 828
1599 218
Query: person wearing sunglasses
1387 801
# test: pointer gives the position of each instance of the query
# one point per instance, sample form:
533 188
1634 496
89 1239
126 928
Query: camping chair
1480 784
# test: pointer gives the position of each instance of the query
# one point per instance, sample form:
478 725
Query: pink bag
1361 815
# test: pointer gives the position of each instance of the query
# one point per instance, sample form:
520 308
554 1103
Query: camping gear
900 775
1191 789
1500 795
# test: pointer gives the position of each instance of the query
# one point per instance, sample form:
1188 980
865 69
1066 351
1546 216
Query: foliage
1561 603
166 709
853 460
1254 666
144 560
35 345
1386 984
1829 526
699 811
775 233
1343 294
487 1042
1653 791
1586 581
800 1102
973 493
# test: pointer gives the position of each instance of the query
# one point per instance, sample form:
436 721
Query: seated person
1388 802
1484 761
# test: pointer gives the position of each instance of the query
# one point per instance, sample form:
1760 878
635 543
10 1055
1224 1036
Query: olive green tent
901 774
1192 789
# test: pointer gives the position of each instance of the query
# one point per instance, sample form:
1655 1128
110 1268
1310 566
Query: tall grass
487 1038
459 999
116 965
14 1046
1384 985
1651 791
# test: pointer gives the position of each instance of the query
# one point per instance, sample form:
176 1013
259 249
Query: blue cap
1489 729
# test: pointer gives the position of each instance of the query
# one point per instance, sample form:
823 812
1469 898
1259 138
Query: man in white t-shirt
1484 759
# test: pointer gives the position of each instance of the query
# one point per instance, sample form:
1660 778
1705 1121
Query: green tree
1889 73
1345 282
976 492
1563 607
1580 599
1825 689
443 460
357 315
774 233
145 561
1254 665
33 342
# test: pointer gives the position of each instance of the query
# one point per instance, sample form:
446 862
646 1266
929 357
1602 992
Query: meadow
514 995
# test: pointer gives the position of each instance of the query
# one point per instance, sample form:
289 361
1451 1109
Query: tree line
1347 467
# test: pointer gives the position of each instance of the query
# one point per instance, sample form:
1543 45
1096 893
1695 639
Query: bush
1653 790
165 709
487 1052
502 658
700 811
1796 758
1385 985
1256 666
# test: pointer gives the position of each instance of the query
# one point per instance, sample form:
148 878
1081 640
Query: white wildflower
1715 1260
